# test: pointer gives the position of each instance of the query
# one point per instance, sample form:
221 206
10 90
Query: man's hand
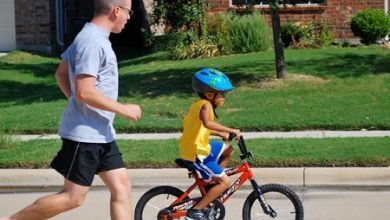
131 111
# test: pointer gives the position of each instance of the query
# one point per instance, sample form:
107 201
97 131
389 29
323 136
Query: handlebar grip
232 135
242 145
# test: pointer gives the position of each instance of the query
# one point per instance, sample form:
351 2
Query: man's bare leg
70 197
118 182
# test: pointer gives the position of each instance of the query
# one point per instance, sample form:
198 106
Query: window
266 2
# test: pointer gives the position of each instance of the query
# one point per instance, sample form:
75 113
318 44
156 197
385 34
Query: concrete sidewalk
247 135
354 177
371 177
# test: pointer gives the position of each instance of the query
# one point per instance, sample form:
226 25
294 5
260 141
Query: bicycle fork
266 207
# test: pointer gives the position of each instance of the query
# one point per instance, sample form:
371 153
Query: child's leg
213 193
210 169
226 156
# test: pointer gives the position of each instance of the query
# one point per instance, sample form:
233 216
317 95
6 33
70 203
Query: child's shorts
209 167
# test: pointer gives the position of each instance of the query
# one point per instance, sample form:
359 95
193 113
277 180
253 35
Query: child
209 158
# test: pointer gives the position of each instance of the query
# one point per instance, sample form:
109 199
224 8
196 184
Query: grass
293 152
331 88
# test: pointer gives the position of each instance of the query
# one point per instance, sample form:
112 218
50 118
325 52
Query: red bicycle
270 201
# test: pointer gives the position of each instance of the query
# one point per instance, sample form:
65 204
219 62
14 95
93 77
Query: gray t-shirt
90 53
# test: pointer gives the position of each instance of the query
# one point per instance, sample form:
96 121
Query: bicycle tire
148 206
281 198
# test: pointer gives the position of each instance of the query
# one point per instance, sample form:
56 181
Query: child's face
220 99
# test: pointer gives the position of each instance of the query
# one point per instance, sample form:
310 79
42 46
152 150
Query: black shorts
79 162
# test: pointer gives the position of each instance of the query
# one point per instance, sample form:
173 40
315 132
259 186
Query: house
49 25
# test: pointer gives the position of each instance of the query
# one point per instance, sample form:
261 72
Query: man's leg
118 182
71 196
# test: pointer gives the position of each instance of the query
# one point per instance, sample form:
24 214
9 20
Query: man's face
123 13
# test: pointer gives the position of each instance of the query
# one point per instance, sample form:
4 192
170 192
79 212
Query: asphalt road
319 204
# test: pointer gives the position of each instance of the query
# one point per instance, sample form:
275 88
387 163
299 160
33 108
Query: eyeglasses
130 12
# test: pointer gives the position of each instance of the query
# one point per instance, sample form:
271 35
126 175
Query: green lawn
331 88
292 152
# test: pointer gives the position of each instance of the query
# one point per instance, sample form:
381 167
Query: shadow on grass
26 93
343 65
169 82
177 81
41 70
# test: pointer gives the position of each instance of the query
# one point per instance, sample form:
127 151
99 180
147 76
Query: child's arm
223 135
214 126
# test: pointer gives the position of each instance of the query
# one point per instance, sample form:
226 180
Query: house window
266 2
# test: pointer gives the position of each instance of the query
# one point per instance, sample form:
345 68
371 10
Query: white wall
7 25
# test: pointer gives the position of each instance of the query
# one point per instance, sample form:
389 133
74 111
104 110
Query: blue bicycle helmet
210 80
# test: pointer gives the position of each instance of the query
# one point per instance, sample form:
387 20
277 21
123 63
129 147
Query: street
318 204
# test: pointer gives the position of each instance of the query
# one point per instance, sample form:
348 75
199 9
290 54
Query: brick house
49 25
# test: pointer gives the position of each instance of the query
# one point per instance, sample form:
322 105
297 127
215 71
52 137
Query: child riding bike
209 158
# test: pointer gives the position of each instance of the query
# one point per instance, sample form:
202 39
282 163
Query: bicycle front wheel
280 198
154 201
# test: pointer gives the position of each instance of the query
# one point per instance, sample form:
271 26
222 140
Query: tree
278 43
277 36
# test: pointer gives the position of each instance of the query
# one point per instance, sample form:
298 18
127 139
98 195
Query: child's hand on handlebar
236 134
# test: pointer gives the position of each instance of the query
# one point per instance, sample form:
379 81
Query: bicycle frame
180 206
183 202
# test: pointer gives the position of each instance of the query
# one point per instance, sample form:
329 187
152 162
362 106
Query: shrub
292 33
249 33
370 25
218 31
197 49
311 35
317 35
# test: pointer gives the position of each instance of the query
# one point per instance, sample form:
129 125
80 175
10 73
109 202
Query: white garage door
7 25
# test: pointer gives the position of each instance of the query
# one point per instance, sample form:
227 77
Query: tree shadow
41 70
344 65
26 93
144 57
170 82
177 81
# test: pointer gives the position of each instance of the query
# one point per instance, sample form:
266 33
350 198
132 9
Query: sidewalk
352 177
343 178
247 135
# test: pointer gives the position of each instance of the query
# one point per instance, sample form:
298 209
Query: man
88 77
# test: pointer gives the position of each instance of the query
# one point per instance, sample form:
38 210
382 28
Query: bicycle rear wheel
282 199
154 201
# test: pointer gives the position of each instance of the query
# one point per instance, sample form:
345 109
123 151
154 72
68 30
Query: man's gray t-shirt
91 54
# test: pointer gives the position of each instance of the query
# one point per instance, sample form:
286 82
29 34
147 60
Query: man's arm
87 93
62 77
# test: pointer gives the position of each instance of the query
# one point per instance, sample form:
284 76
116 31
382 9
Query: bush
292 33
370 25
197 49
218 31
313 35
317 35
249 33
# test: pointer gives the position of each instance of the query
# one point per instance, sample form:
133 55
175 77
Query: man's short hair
104 6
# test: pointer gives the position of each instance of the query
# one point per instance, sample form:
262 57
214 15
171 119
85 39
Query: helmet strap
214 106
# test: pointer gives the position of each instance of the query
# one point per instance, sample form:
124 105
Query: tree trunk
278 43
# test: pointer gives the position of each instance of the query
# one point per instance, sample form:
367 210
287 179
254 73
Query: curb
310 177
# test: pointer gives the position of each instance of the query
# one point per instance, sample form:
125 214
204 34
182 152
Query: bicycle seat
185 164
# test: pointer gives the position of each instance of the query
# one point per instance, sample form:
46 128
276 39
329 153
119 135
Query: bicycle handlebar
245 154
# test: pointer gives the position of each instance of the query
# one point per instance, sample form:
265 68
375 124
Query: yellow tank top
195 138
